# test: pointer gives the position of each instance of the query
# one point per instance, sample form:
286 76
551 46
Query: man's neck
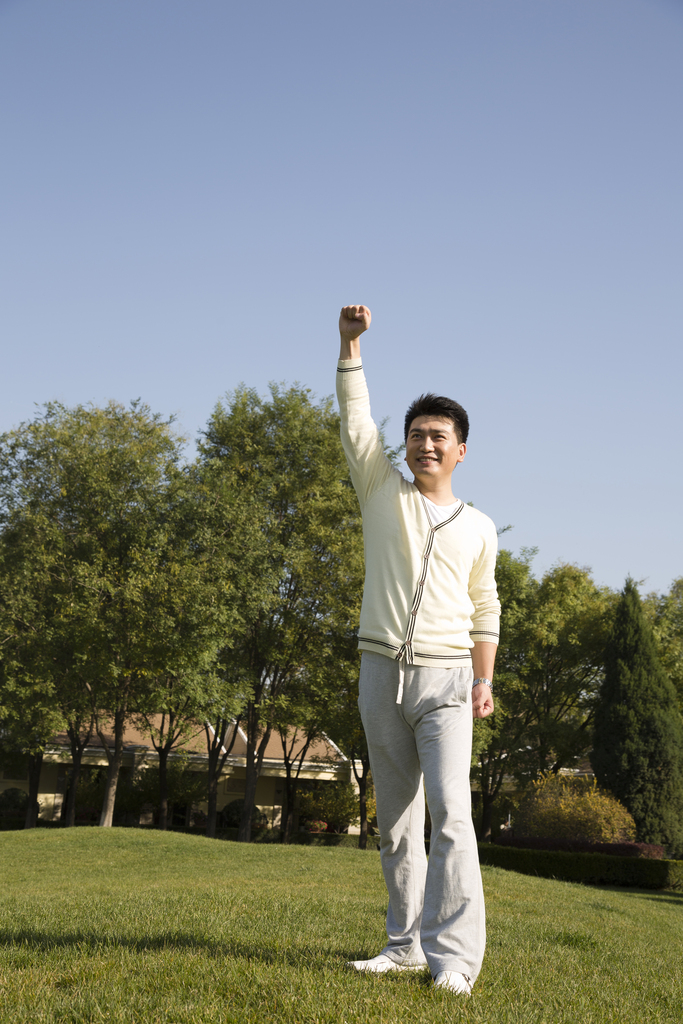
440 495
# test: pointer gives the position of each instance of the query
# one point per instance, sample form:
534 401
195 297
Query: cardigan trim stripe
380 643
406 648
466 656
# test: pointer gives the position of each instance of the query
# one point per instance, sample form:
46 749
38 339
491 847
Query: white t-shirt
439 513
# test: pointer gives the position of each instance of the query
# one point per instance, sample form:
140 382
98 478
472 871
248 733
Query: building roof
137 744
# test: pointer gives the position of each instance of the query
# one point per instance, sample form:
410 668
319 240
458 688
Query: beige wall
50 791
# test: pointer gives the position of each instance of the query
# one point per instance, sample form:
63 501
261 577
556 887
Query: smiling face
433 450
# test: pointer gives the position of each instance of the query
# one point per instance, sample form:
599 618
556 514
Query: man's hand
353 321
482 701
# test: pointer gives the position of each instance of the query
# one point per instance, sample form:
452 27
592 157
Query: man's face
432 448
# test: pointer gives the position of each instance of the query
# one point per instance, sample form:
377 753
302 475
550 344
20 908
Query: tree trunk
35 764
363 801
163 789
291 786
254 762
74 778
288 827
218 754
212 811
362 780
292 775
487 800
244 830
78 745
114 757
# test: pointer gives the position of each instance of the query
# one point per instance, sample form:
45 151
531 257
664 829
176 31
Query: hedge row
649 850
273 835
592 868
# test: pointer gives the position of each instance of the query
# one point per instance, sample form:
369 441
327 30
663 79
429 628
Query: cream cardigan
430 591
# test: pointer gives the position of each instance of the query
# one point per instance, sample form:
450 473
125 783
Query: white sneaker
454 982
381 964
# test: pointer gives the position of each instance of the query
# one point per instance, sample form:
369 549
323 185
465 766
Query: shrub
333 802
90 794
231 814
142 787
138 790
13 804
561 807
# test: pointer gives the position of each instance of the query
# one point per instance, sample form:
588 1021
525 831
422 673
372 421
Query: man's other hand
353 321
482 701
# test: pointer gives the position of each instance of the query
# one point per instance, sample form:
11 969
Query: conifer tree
638 737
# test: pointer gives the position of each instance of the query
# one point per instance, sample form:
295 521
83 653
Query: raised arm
353 321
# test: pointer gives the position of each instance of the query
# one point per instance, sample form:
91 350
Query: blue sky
190 191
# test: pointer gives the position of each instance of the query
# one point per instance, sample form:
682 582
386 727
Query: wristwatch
482 679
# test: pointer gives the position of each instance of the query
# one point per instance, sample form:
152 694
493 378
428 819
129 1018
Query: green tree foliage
638 734
283 456
548 670
562 807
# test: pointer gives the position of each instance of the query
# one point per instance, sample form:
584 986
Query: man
428 636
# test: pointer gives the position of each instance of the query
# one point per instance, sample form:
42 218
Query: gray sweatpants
436 910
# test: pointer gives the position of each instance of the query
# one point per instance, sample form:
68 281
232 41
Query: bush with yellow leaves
563 807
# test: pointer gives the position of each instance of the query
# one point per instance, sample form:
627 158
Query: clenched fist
353 320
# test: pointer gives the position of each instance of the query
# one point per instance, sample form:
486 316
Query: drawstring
404 657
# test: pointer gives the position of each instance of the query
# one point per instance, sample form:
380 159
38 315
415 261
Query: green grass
128 926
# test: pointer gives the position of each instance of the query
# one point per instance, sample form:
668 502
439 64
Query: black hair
444 408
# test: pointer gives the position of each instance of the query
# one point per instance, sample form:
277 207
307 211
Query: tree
499 740
296 743
344 725
548 670
90 502
665 614
191 601
284 457
638 735
299 716
29 709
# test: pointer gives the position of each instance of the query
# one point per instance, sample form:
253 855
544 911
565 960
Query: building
324 762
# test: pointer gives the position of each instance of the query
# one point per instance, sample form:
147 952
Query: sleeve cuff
345 365
488 633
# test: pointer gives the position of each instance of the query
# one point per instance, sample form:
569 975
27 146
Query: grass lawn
122 925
